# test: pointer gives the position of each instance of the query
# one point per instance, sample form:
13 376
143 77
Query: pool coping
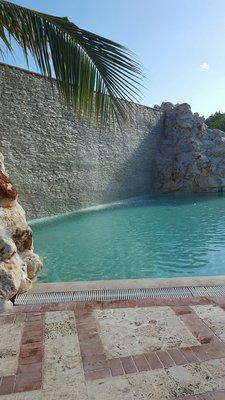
127 284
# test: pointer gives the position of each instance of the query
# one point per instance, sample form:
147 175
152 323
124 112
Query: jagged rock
23 239
10 280
8 193
2 166
13 277
5 305
191 157
18 263
7 247
167 106
33 263
12 219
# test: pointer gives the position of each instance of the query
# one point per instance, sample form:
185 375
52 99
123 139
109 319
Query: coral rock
5 305
33 263
18 263
8 193
7 248
10 280
23 239
190 156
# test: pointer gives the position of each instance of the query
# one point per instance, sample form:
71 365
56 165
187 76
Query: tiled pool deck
122 350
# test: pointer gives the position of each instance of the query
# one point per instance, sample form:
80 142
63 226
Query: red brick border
29 372
96 365
92 353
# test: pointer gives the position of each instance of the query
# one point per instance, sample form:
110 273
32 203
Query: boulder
13 219
167 106
13 278
10 280
5 305
33 263
23 238
190 156
7 247
18 263
8 193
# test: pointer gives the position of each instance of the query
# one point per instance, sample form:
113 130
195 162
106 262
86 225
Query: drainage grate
119 294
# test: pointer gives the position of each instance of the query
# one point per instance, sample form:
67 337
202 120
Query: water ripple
153 237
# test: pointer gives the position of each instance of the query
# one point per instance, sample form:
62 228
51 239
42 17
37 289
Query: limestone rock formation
18 263
33 263
191 157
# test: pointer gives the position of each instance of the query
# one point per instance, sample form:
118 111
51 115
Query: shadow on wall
135 176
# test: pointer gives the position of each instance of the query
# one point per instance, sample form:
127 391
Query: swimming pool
150 237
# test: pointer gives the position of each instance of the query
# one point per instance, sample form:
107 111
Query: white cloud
204 66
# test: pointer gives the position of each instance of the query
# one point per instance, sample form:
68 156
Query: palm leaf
94 75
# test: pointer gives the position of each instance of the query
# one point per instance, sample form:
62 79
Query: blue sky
180 43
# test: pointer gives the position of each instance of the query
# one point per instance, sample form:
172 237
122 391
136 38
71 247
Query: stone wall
59 163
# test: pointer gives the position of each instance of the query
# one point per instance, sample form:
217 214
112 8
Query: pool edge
128 284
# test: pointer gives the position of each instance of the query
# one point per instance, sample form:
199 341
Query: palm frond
94 75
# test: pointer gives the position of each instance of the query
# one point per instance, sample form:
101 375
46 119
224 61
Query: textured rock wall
18 263
190 157
59 163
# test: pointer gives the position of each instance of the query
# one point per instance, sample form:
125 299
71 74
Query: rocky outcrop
191 157
18 263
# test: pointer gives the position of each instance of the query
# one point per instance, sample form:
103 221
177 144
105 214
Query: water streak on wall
59 163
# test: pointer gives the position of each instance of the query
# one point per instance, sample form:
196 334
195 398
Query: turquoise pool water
152 237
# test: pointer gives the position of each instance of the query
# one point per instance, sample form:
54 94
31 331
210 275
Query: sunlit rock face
18 263
190 157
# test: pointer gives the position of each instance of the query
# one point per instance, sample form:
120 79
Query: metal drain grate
119 294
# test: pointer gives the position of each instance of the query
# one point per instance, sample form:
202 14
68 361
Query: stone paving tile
135 331
216 369
62 367
10 337
155 385
191 379
187 361
69 393
117 388
214 317
33 395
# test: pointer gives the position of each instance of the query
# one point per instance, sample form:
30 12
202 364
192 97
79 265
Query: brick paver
96 365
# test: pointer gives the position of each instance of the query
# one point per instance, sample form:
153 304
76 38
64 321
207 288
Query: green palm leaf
94 75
